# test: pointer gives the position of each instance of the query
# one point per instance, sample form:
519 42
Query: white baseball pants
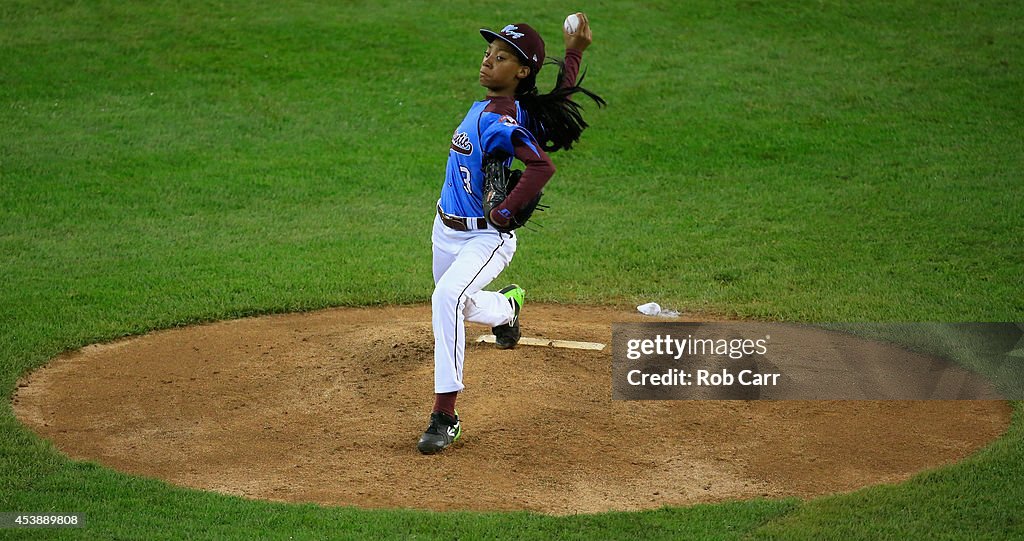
465 262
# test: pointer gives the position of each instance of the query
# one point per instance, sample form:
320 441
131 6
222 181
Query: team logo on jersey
461 143
508 121
510 30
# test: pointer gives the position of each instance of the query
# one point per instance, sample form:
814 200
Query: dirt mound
327 407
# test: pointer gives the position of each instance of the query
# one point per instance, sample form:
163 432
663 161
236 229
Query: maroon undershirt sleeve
539 168
573 57
538 171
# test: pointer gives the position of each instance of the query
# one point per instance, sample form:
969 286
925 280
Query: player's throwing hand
582 37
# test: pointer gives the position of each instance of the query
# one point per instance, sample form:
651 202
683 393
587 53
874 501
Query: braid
554 118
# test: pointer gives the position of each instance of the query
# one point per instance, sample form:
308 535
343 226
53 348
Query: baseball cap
524 40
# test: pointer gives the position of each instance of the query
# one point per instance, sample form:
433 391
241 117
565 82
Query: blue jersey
481 132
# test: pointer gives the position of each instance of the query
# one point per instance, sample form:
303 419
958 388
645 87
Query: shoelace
436 425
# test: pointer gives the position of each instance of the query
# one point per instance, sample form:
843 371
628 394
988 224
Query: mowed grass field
166 163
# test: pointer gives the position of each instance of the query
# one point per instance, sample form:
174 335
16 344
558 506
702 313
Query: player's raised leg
479 262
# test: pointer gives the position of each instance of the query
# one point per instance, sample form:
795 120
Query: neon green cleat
507 336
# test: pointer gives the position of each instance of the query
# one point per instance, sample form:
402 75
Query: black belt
459 223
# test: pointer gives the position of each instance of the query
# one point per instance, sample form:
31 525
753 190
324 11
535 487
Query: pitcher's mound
327 407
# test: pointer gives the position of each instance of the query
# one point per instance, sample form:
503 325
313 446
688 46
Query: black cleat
442 432
508 335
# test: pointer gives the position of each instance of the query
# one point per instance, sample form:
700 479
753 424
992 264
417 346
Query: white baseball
572 23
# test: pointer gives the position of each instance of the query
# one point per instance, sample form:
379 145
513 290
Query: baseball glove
499 181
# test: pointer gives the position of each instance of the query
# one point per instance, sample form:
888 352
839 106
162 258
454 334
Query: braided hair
554 118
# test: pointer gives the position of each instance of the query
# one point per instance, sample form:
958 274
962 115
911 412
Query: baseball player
469 250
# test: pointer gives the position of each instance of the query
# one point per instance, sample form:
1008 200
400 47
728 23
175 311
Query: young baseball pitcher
470 246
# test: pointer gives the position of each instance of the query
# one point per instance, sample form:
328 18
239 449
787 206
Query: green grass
166 163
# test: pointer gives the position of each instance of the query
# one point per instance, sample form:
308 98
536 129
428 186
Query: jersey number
467 179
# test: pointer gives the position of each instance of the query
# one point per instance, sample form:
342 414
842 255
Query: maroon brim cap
525 41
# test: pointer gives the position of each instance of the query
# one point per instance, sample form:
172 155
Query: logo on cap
510 30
